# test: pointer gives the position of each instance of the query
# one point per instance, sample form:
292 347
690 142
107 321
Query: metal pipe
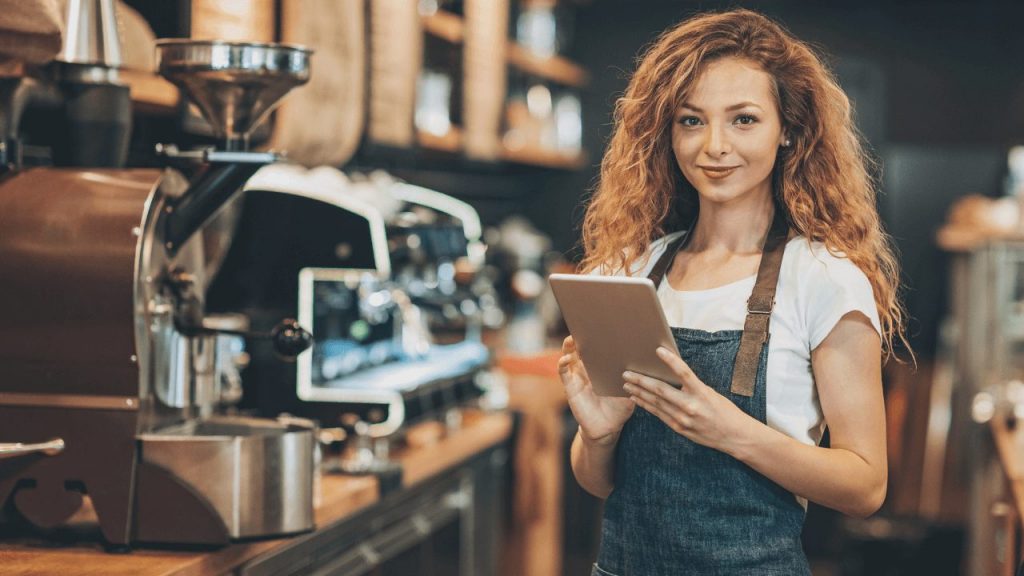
210 189
50 448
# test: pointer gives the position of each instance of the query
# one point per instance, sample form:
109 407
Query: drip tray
226 478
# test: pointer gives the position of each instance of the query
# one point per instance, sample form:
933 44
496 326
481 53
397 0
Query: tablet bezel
617 323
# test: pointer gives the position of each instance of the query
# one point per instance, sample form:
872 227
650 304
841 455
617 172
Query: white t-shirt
815 290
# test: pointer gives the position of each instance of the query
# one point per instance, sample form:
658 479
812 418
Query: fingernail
661 350
627 374
627 387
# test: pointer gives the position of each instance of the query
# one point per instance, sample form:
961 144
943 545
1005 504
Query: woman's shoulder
815 262
825 285
641 264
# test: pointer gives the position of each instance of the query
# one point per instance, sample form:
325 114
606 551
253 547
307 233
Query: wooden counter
480 431
341 497
536 543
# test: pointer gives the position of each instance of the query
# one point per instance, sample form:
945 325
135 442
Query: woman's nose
716 143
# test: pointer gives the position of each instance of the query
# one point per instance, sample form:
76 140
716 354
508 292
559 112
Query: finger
663 404
568 345
671 421
564 362
680 405
678 366
569 364
659 387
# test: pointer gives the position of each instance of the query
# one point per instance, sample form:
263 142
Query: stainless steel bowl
256 475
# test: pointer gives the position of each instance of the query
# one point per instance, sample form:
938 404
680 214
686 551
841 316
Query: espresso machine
382 273
108 355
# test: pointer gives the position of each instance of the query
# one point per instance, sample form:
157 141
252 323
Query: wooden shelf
150 90
445 25
545 158
557 69
480 40
450 142
953 238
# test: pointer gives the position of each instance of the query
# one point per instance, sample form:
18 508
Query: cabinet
984 351
445 526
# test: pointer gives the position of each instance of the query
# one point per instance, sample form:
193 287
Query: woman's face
727 133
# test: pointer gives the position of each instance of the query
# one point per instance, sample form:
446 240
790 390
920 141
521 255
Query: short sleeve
835 288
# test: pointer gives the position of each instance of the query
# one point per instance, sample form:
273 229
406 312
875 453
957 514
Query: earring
786 143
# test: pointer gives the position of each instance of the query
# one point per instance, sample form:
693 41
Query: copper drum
76 356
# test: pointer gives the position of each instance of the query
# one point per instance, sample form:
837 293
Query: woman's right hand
601 418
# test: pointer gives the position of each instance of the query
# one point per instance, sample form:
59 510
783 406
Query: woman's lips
718 172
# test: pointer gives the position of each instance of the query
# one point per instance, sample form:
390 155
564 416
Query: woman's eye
746 119
689 121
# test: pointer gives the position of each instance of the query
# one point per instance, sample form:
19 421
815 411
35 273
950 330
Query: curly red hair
822 180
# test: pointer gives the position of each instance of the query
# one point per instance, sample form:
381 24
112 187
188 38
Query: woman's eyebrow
736 106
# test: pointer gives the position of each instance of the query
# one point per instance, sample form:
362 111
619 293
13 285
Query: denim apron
682 508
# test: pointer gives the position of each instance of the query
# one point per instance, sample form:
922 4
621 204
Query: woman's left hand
695 411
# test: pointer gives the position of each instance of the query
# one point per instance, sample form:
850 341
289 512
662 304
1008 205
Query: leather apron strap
759 308
759 305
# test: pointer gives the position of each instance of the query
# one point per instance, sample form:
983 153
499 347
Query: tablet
617 323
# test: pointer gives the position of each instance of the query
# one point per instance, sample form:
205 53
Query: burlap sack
30 32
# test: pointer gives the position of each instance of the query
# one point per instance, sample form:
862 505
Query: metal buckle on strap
755 310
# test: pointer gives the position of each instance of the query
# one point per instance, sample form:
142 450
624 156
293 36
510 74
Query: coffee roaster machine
109 377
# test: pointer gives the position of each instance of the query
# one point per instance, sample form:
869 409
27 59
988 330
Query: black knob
290 339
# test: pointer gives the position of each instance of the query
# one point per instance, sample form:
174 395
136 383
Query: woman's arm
601 420
593 463
850 476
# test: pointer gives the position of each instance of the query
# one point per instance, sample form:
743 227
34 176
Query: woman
733 137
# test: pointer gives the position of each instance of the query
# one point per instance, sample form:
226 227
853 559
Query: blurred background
434 161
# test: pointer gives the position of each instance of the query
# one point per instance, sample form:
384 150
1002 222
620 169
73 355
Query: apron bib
679 508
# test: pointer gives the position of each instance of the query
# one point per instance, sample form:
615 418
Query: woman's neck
736 227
